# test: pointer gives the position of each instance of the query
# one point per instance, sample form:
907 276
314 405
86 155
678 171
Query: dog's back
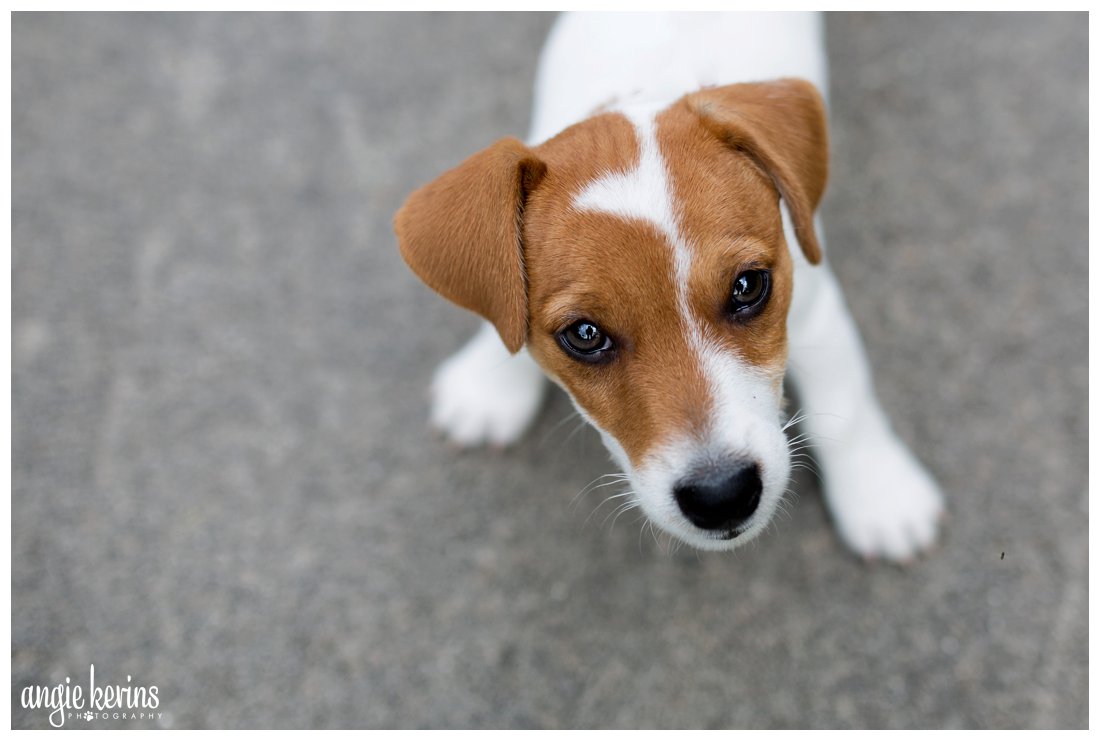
596 60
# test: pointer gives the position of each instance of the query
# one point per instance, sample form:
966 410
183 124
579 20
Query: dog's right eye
749 293
585 341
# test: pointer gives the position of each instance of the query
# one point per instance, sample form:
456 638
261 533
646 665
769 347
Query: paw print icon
88 715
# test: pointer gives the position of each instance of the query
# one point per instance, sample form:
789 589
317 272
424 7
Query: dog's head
641 258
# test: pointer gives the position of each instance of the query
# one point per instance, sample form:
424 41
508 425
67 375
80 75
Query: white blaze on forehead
645 193
641 193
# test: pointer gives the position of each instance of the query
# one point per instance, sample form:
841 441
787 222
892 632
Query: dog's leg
883 501
484 395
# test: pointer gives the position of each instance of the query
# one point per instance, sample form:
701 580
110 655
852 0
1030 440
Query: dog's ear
781 125
462 234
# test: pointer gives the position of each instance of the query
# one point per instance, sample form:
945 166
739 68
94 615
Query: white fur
641 193
593 60
883 501
485 395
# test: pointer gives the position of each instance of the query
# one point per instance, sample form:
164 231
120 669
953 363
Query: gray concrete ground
222 480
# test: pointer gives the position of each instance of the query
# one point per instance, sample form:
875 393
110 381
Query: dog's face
642 261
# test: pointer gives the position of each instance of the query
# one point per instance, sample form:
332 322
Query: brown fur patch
621 275
618 274
500 235
728 212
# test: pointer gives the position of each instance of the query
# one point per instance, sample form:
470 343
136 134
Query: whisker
811 469
557 426
653 534
607 499
795 419
614 515
580 426
591 485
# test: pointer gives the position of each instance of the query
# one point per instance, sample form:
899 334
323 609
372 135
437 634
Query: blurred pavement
222 479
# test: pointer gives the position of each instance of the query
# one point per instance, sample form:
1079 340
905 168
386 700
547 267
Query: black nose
720 499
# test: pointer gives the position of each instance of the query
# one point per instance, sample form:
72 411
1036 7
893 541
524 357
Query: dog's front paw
484 396
883 501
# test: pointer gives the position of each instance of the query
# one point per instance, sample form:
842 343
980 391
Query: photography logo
69 701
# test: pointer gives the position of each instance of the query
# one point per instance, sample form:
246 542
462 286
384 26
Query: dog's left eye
584 340
749 292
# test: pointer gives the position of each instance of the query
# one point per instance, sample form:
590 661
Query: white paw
884 503
482 395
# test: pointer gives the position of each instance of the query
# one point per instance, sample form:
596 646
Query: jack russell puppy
653 250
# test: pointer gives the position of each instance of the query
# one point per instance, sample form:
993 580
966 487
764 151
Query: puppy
654 251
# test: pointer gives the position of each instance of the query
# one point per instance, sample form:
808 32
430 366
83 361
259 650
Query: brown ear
781 125
462 234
